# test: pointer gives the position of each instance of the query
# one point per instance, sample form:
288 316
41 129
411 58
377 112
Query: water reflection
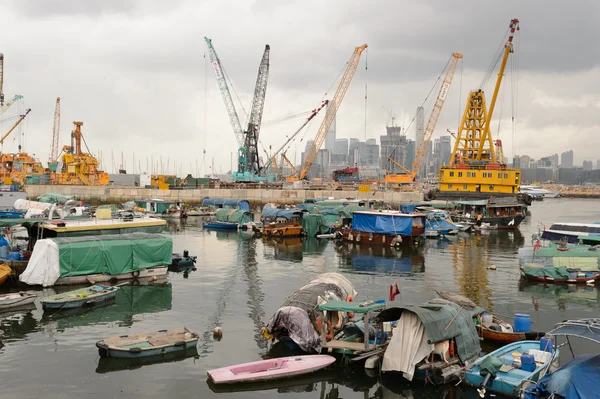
286 249
247 257
106 365
560 296
471 259
130 301
380 259
17 324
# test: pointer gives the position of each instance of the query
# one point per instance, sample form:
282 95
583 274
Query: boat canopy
314 224
436 317
582 328
233 216
55 258
226 203
472 202
269 211
383 223
582 257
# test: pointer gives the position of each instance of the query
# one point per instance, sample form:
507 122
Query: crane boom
10 102
435 114
332 110
222 82
290 164
251 134
398 165
55 132
313 113
1 79
28 110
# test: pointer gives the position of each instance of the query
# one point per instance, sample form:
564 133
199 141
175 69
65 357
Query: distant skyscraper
445 149
598 164
566 159
588 165
330 138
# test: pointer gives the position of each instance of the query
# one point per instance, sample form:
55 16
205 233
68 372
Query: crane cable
366 88
495 61
515 95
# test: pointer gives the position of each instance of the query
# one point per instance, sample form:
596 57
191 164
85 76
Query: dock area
574 191
256 196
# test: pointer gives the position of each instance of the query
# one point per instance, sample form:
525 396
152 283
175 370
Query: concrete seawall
257 197
574 191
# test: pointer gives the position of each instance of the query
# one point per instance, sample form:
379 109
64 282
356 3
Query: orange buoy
350 299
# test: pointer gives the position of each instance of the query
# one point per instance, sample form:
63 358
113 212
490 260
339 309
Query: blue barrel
528 363
546 344
522 323
3 252
15 255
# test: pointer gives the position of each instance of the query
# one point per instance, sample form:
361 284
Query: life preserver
280 232
135 273
329 334
563 248
350 299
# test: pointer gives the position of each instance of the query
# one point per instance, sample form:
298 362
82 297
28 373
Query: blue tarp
411 208
269 211
226 203
382 223
578 379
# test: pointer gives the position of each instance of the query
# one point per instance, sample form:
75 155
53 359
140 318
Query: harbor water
241 281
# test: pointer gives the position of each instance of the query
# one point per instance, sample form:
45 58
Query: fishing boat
572 232
508 370
580 377
202 211
270 369
160 208
78 298
384 227
281 221
560 263
16 299
148 344
229 219
436 225
81 260
493 329
505 213
5 272
220 225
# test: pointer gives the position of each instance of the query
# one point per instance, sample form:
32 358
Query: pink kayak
271 369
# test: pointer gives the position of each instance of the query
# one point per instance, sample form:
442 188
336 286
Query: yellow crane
27 111
291 165
474 169
332 108
409 177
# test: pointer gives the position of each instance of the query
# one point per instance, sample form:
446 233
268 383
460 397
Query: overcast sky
135 72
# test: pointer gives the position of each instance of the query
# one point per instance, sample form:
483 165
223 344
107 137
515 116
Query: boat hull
271 369
356 237
220 226
292 230
146 345
64 301
15 300
512 382
104 278
578 280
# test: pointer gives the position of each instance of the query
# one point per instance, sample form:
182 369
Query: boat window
459 174
499 175
491 186
506 175
464 186
451 174
417 222
484 174
450 185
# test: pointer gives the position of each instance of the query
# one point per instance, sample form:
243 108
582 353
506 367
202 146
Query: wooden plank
367 354
337 344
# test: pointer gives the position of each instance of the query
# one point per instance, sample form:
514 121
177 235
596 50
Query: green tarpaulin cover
116 254
234 216
314 224
54 198
559 273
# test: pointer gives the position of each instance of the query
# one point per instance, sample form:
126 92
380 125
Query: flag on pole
537 245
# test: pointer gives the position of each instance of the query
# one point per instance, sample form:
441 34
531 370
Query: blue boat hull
222 226
79 302
512 382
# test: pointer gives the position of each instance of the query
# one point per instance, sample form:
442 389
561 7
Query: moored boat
16 299
491 328
220 225
281 221
384 228
505 213
148 344
81 297
508 370
270 369
572 232
161 208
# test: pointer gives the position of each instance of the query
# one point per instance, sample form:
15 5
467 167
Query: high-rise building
598 164
445 149
588 165
393 145
339 155
566 159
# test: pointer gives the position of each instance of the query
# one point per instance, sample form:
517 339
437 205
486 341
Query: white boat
16 299
537 190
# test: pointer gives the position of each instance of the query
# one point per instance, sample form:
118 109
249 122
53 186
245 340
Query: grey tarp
436 315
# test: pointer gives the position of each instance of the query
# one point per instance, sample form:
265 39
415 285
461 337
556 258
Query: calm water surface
241 282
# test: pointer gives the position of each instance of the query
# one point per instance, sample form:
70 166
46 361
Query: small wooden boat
494 332
5 272
80 297
148 344
16 299
271 369
220 225
282 230
587 278
507 364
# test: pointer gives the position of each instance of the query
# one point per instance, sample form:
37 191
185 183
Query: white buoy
218 333
492 267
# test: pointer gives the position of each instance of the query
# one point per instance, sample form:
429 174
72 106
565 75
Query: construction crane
249 168
474 140
55 132
1 79
10 102
251 134
313 113
27 111
409 177
290 164
499 151
334 105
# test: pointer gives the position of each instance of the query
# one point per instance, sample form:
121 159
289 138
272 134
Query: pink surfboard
271 369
